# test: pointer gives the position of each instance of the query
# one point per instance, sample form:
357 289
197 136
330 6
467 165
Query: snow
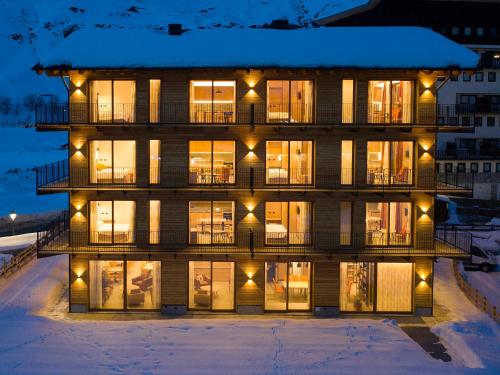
21 150
35 327
471 336
326 47
337 7
20 241
487 283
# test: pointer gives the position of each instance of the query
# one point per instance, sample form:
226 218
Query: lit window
346 163
212 162
347 101
212 102
289 101
211 285
112 222
289 162
390 102
390 163
112 162
287 286
288 223
154 161
154 222
211 222
388 223
112 101
154 100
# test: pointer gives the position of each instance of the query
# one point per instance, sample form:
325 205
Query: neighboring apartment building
251 170
467 98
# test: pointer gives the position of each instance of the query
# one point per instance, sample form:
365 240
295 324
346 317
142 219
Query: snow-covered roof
333 47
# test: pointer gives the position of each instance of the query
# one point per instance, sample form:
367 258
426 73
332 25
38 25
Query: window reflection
211 285
112 221
112 101
106 284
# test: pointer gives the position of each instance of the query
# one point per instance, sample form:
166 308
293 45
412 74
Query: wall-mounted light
250 206
250 278
423 210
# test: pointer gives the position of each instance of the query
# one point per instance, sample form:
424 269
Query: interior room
143 285
390 102
112 221
112 101
390 163
289 101
289 162
388 223
106 284
212 162
211 285
211 222
287 286
357 286
112 162
212 102
288 223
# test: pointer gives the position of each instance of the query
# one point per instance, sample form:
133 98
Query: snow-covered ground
39 338
471 337
487 283
22 149
20 241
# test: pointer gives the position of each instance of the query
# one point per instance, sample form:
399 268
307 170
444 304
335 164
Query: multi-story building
251 170
467 98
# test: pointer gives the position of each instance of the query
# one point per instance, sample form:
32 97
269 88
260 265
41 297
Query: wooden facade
174 192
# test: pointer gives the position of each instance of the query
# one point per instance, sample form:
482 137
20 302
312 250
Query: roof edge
350 12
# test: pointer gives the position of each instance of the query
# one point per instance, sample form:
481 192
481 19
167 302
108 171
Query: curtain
394 287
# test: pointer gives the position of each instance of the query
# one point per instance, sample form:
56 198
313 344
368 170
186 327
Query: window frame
89 162
411 243
113 121
212 183
391 103
125 297
159 162
353 164
313 106
112 243
413 162
288 244
484 167
211 309
313 162
159 101
190 100
212 243
492 76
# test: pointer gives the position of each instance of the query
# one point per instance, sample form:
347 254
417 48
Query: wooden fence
18 261
480 301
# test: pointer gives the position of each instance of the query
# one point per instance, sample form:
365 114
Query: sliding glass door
287 286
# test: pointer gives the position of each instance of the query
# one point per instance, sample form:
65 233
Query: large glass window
211 222
212 102
394 287
357 286
112 162
154 161
289 101
288 223
112 101
211 285
347 101
289 162
154 100
212 162
390 102
106 284
287 286
112 222
143 285
346 163
388 223
154 222
390 163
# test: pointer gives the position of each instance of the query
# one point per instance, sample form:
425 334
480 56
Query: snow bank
327 47
17 242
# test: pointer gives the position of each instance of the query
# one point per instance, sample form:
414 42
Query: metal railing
259 113
57 176
481 154
464 115
248 242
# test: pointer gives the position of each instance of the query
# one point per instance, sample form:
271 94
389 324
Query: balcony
57 177
258 243
481 154
53 116
463 117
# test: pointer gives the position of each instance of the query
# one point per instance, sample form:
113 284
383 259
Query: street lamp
13 216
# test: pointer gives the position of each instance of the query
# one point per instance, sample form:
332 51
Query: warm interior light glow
78 154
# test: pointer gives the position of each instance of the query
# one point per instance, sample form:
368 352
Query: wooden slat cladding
250 292
326 284
423 289
79 279
174 282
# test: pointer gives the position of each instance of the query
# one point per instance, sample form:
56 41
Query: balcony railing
481 154
252 243
57 176
464 115
343 114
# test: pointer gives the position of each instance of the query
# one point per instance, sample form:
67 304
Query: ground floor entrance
249 286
